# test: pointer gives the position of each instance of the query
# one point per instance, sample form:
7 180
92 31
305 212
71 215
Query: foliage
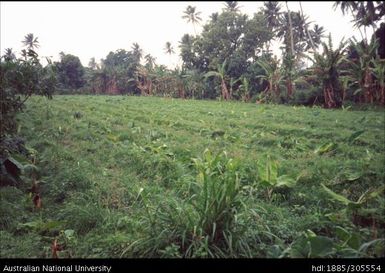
218 200
325 71
22 78
70 71
121 182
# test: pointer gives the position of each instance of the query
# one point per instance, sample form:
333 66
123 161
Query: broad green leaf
113 138
342 234
13 166
337 197
268 171
327 147
285 181
370 194
69 233
31 170
355 135
320 246
351 175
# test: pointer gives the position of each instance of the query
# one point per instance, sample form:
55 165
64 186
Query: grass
130 176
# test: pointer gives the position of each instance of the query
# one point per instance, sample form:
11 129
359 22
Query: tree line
231 59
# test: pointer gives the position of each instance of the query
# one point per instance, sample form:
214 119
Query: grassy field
129 176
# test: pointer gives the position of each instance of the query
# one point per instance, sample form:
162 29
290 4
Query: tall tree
169 48
70 71
92 64
272 11
365 13
30 41
290 29
306 27
150 61
137 52
232 6
192 16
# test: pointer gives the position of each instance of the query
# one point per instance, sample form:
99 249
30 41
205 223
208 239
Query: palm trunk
352 12
307 31
291 30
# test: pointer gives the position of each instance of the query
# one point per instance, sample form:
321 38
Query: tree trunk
368 86
225 92
291 30
307 31
329 97
289 86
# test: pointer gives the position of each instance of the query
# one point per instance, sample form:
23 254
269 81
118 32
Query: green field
124 176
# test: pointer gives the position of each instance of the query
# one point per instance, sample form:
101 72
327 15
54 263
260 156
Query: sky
93 29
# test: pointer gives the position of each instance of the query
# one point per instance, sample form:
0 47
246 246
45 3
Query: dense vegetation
156 175
149 177
232 59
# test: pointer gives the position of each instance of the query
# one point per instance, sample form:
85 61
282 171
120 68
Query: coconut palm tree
316 34
271 12
192 16
365 13
307 30
30 41
150 61
169 48
290 29
221 75
232 6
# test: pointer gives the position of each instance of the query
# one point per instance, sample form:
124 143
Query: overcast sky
93 29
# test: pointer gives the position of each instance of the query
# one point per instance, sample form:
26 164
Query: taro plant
269 178
361 216
347 243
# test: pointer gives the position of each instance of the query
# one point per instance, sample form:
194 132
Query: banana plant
325 70
361 69
221 74
273 76
379 74
244 89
